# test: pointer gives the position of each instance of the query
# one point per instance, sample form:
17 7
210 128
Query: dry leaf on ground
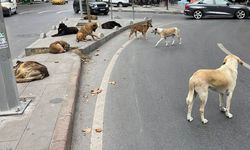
97 54
86 131
95 91
112 82
98 130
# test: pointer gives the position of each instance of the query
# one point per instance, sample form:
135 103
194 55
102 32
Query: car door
223 7
209 6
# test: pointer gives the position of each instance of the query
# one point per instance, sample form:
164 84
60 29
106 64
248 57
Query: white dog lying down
167 32
221 80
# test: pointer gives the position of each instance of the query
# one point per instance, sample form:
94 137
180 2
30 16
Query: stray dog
85 30
59 47
140 27
167 32
64 30
29 71
92 17
110 25
221 80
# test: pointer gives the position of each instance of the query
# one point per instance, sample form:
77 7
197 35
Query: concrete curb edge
62 135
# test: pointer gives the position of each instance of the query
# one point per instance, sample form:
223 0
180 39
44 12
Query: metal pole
167 3
81 11
9 102
133 9
111 9
88 11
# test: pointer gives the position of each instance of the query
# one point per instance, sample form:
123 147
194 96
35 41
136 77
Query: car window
208 1
221 2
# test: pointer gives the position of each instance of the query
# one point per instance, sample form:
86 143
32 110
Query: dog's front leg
228 104
221 99
159 42
173 40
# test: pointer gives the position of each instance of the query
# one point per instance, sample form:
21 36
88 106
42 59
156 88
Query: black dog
110 25
64 30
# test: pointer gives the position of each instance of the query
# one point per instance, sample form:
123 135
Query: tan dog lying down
29 71
92 17
167 32
221 80
140 27
86 30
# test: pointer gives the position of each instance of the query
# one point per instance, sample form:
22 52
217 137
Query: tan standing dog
140 27
221 80
167 32
86 30
29 71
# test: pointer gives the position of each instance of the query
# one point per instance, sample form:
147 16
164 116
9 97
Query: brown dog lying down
140 27
58 47
85 30
92 17
29 71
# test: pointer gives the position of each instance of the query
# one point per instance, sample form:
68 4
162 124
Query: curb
155 12
102 41
61 138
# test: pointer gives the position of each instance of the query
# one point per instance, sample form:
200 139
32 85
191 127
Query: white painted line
59 12
45 11
96 138
220 45
25 12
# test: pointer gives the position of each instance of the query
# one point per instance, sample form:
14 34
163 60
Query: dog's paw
229 115
189 118
204 121
223 109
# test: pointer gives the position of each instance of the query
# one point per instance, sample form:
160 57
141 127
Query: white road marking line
45 11
96 138
25 12
220 45
59 12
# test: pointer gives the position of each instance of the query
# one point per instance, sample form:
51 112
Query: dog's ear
225 61
240 61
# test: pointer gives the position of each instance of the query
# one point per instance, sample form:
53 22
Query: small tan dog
167 32
59 47
140 27
221 80
29 71
85 30
92 17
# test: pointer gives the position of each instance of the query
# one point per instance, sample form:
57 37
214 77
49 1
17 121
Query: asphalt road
146 109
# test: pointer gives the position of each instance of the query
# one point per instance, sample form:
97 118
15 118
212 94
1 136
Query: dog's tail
191 92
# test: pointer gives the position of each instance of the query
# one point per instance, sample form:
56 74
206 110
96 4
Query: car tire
240 14
76 10
106 13
120 4
197 14
9 13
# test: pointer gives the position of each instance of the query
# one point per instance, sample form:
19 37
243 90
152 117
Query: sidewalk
47 122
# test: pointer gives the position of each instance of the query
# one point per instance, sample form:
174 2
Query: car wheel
197 14
120 5
106 13
240 14
76 10
9 13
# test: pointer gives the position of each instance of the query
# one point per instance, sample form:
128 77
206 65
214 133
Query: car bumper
187 12
100 10
5 11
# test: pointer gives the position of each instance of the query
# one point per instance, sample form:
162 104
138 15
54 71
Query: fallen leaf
86 131
95 91
97 54
112 82
97 50
98 130
56 62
